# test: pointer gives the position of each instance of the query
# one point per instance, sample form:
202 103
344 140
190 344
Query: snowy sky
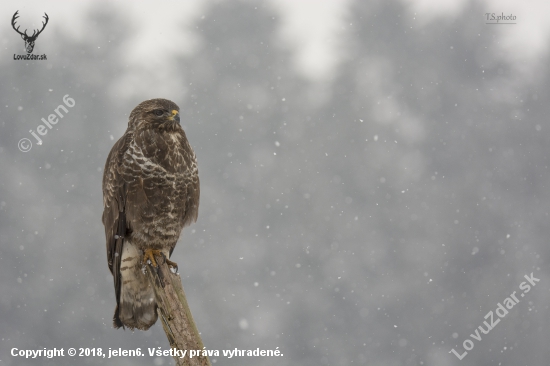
315 29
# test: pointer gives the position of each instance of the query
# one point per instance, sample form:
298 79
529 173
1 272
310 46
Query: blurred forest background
371 216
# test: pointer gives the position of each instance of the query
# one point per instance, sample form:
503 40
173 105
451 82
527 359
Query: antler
43 26
15 16
34 34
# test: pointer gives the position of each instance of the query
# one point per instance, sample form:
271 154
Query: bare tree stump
174 313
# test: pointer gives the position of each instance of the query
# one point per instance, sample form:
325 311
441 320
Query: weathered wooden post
174 313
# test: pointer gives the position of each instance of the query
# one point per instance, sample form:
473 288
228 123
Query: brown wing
114 210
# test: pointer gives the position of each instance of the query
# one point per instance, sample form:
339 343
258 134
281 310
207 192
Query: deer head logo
29 40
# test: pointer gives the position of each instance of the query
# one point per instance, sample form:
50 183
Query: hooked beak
175 116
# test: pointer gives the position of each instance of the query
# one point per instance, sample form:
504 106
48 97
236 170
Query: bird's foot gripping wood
149 255
172 264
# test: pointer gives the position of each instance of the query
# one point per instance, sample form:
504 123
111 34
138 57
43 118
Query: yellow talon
149 254
172 264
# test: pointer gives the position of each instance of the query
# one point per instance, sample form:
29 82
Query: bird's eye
158 112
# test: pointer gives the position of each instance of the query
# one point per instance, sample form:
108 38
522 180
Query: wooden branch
174 313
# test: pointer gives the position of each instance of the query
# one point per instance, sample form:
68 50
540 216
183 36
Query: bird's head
155 113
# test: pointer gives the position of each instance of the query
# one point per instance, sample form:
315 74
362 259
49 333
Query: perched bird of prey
150 192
